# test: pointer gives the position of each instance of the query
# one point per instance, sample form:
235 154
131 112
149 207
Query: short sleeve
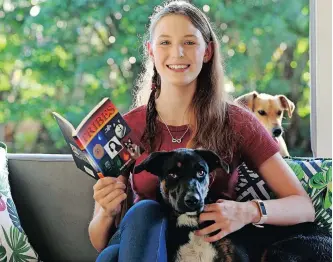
256 145
136 119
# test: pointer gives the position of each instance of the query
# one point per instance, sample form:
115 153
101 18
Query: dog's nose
192 200
276 131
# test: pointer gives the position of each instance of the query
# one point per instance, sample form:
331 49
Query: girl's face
178 50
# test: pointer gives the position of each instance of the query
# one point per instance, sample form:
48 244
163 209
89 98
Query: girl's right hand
109 193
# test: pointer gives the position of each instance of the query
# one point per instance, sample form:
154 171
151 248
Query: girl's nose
178 51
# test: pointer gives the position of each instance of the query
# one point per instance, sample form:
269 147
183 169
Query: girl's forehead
175 26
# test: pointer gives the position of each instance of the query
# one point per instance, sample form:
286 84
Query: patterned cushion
315 174
14 244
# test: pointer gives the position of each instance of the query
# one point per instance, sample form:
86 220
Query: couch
55 205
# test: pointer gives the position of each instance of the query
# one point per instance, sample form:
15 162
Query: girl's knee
109 254
145 211
147 205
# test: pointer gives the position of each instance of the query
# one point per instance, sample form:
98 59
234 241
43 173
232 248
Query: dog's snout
277 131
192 200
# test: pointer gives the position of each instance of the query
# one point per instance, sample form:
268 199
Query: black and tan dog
184 180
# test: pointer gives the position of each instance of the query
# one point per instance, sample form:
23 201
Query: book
103 144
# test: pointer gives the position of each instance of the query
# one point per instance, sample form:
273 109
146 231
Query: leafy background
65 56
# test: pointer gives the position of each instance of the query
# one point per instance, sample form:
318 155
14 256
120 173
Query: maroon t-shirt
255 146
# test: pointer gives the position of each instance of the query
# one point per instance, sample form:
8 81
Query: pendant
176 140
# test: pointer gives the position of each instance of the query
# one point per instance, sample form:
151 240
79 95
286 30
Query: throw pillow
14 244
315 174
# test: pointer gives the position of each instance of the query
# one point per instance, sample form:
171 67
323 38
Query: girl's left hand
229 216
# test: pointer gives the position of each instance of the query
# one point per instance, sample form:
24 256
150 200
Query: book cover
103 144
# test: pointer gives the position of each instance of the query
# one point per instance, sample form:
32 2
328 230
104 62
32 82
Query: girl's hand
229 216
109 193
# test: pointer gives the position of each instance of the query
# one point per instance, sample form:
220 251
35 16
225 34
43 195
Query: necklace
174 140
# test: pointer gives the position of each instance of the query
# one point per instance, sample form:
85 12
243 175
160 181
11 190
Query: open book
103 144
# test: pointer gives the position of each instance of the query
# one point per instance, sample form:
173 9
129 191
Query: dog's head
183 175
268 109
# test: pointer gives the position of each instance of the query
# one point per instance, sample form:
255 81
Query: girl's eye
279 113
201 173
164 42
174 176
189 43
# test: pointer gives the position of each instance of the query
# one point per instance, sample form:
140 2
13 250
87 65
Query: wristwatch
263 213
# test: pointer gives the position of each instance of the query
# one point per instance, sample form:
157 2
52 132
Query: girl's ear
209 52
150 49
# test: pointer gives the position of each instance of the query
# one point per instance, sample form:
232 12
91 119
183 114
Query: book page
64 124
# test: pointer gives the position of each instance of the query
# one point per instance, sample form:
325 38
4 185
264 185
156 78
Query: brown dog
269 110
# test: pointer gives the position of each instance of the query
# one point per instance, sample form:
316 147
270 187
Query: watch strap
263 213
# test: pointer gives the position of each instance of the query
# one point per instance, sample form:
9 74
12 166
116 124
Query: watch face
263 209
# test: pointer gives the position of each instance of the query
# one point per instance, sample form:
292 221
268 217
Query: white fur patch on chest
185 220
196 250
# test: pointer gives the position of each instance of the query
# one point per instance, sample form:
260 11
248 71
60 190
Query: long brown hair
208 118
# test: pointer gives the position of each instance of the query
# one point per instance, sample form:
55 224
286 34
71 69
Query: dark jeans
140 237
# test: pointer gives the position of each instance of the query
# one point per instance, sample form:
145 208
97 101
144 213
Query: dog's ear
153 163
287 105
213 160
247 99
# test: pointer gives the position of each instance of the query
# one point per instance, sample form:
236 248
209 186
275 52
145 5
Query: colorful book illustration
103 144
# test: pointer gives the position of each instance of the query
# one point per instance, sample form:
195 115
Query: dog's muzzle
192 201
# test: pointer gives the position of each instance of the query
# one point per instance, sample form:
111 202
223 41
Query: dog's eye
201 173
279 113
174 176
261 112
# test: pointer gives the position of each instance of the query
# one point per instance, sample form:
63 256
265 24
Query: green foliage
17 242
65 56
3 255
316 177
323 181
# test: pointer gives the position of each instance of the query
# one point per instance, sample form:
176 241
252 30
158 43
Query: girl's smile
178 68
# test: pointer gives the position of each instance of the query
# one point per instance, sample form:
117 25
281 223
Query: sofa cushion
14 245
54 200
315 174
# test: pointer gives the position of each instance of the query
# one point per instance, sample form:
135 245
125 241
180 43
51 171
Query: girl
181 102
